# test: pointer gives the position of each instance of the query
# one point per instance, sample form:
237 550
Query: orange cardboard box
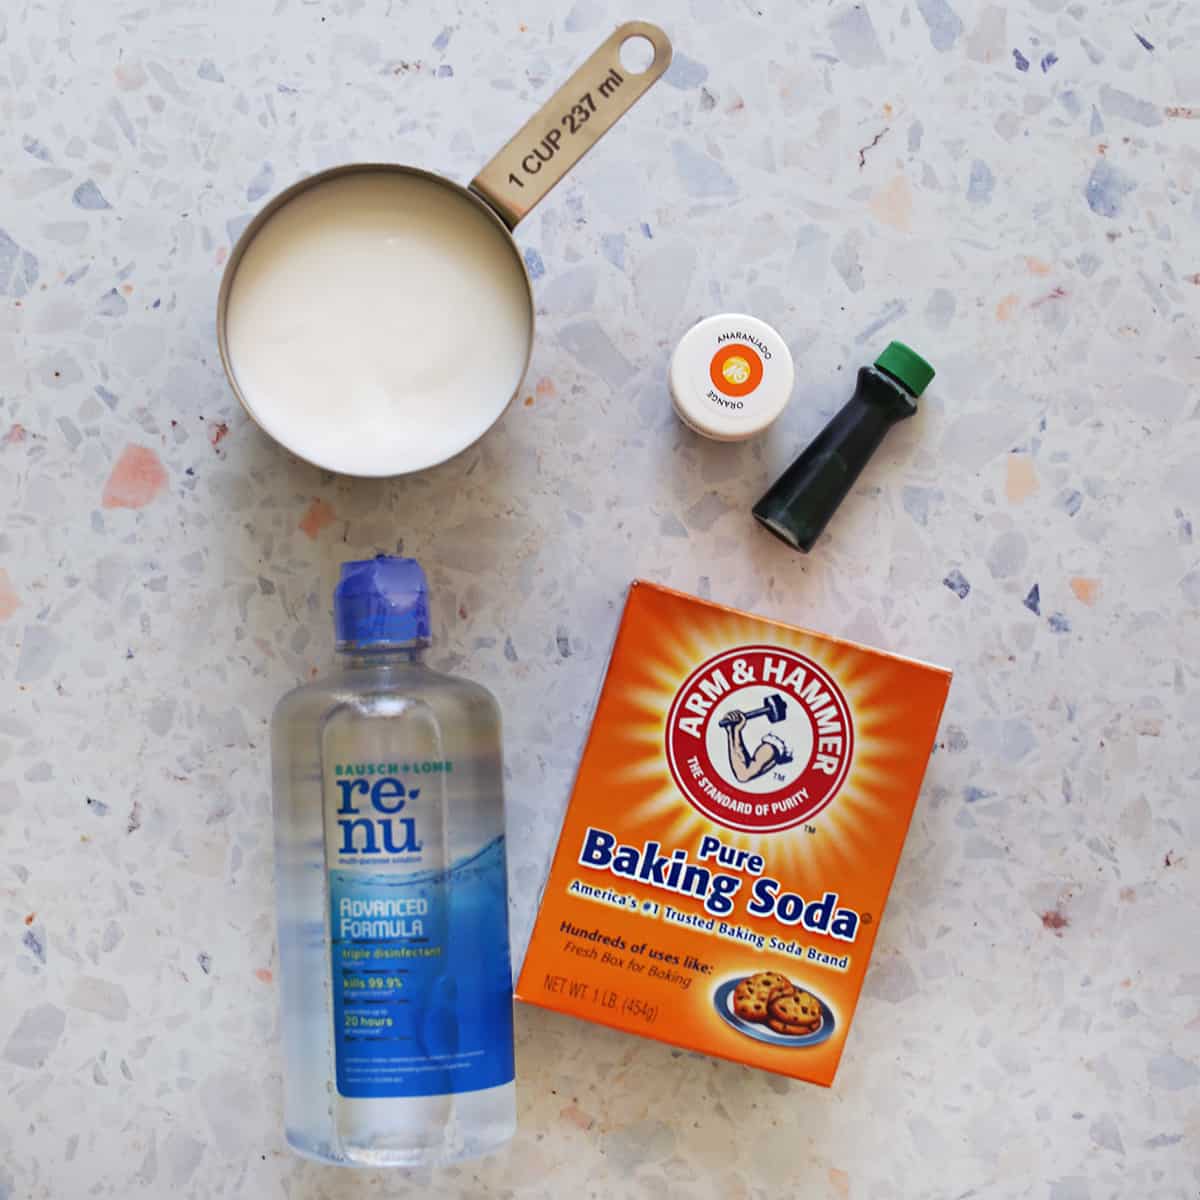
736 822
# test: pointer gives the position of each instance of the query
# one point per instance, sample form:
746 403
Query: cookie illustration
794 1012
753 995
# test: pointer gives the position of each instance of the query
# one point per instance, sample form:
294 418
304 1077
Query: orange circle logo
736 369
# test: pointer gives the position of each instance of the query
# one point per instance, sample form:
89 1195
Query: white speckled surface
1026 211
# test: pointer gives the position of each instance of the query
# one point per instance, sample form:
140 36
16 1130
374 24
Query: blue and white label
422 984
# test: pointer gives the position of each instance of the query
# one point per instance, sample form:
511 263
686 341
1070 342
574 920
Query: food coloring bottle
797 507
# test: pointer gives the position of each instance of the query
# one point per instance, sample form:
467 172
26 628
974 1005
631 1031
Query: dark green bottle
797 507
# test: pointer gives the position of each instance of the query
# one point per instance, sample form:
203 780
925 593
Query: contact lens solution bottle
395 979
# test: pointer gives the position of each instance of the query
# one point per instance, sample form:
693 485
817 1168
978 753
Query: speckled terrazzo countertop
1014 189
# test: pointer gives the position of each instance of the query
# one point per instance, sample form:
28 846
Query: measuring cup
377 319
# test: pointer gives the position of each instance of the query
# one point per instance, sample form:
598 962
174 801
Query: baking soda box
735 826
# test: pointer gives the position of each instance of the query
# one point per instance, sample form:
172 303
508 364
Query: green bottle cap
906 366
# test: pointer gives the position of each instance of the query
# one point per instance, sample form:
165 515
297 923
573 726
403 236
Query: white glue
378 323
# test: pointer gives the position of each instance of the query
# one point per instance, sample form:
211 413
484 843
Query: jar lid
731 376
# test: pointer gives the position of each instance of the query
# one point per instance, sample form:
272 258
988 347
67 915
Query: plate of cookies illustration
769 1007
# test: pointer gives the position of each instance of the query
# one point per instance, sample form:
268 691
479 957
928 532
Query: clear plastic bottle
395 978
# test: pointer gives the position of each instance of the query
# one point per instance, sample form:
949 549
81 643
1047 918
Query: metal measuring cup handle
569 124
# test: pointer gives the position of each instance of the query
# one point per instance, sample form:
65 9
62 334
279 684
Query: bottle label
421 980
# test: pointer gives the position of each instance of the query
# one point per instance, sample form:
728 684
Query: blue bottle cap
381 601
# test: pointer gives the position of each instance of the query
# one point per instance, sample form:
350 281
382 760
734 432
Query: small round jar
731 376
